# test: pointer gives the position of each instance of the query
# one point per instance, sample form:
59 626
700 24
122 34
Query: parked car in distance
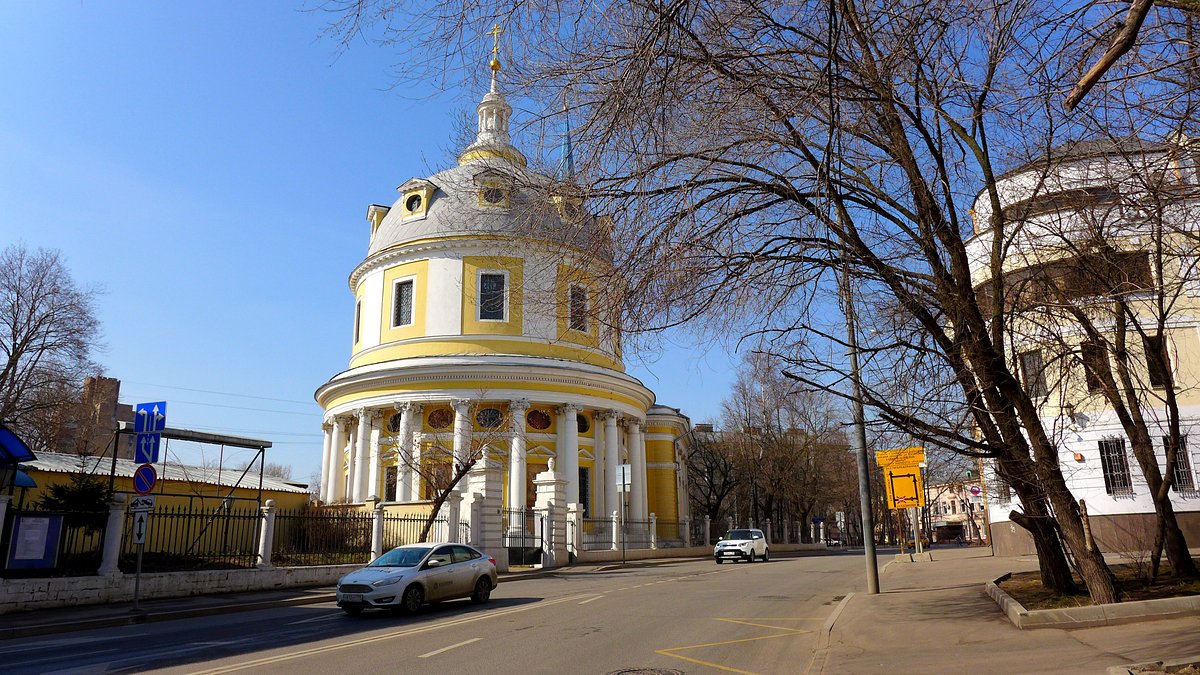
408 576
748 544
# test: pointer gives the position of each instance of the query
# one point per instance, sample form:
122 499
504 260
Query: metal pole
858 441
137 577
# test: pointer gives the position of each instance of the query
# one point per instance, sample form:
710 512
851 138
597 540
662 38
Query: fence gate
523 531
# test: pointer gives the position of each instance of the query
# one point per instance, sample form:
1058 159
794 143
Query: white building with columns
480 334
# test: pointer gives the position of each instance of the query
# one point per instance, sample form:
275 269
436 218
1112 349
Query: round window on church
493 196
584 423
538 419
441 419
412 203
489 418
394 423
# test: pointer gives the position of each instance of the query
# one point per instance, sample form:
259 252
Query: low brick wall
17 595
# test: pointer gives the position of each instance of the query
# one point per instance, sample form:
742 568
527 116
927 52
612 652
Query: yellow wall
472 266
571 276
419 271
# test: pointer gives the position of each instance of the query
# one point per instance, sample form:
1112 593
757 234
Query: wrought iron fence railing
178 538
636 533
596 534
322 538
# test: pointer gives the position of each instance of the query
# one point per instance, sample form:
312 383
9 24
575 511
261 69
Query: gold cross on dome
495 32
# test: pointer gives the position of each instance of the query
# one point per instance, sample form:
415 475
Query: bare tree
48 331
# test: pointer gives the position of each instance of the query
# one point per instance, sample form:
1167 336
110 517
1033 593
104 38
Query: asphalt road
693 617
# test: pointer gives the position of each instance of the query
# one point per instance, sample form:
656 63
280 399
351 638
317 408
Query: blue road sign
150 417
145 450
144 478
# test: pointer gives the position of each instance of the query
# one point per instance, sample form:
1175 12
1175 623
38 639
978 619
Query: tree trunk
1052 562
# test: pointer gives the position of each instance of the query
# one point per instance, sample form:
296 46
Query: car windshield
740 534
400 557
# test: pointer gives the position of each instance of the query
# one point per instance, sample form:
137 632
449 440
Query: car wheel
719 561
483 591
352 611
766 555
412 598
751 556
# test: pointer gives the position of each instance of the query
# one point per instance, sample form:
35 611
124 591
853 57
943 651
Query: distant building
1085 227
88 427
956 510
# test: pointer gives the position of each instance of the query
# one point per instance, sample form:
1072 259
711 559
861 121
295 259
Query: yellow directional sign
902 476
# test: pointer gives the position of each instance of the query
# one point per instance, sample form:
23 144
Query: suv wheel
766 555
751 556
483 591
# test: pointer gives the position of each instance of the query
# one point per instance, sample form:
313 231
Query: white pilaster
637 461
337 461
612 457
568 451
516 455
326 463
374 484
361 457
404 469
462 437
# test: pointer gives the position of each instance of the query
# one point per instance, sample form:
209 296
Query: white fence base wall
18 595
690 552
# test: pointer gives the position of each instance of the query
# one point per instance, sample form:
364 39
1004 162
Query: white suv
746 544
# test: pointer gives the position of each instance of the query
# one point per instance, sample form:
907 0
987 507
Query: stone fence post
685 526
112 536
707 530
767 532
616 530
574 529
453 508
653 531
376 529
729 519
266 536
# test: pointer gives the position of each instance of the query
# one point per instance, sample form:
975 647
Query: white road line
329 617
446 649
591 599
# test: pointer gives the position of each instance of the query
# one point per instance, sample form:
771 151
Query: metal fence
523 530
669 533
178 538
637 533
322 537
698 535
596 534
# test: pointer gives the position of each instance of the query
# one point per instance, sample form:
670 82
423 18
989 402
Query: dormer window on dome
494 189
417 194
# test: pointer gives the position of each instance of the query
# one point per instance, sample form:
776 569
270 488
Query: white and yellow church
479 335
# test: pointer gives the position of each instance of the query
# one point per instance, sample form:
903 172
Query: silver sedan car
406 577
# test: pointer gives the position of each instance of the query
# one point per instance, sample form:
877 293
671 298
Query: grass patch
1026 587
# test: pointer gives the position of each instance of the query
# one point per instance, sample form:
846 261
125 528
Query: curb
827 627
1093 615
1150 667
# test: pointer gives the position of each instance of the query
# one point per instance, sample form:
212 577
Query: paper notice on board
31 543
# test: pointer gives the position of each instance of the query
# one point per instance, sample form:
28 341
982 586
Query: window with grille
491 297
402 304
389 483
579 308
1185 480
1117 480
1157 362
1095 361
1033 374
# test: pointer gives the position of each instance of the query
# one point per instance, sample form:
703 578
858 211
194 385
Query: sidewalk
935 617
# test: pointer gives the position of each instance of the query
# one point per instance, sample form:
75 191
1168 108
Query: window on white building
491 297
1033 374
579 308
402 303
1185 480
1115 464
1095 362
357 321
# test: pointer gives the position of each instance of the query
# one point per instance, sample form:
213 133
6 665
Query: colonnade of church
355 447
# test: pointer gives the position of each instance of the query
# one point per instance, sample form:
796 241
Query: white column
516 456
361 457
404 468
611 458
637 460
462 437
417 439
568 451
337 461
599 475
374 484
326 463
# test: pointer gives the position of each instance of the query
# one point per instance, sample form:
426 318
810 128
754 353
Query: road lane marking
328 617
481 616
789 632
591 599
446 649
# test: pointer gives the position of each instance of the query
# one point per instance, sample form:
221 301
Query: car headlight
387 581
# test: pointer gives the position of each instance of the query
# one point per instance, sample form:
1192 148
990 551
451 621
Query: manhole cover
646 671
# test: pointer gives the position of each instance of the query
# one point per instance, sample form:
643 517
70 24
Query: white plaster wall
443 311
372 309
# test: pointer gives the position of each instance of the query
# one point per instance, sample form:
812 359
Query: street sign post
149 419
141 503
624 477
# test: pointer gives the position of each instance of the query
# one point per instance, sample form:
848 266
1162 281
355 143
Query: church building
481 336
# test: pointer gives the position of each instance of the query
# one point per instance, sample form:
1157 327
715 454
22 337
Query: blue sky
208 167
